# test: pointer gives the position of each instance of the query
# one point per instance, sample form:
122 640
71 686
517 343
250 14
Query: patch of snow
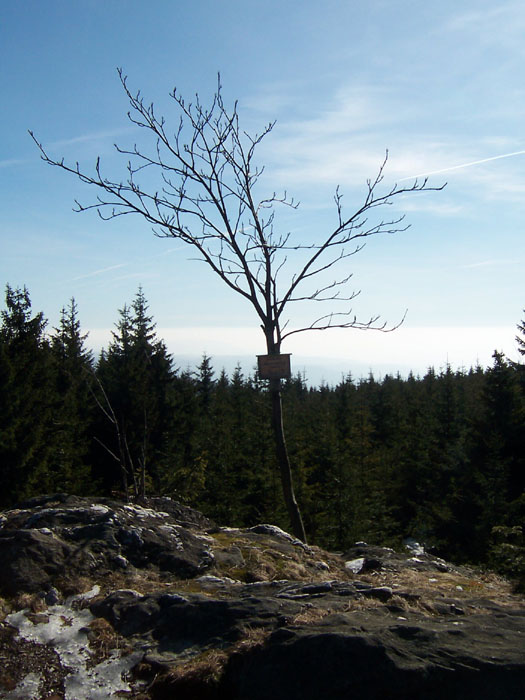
131 591
99 508
104 680
88 595
65 631
142 512
45 531
415 547
209 581
27 689
355 565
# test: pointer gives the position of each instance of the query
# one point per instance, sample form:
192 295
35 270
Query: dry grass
266 559
5 609
29 601
438 584
463 585
103 639
73 585
206 669
310 616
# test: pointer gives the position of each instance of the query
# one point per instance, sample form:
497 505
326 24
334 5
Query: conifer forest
440 458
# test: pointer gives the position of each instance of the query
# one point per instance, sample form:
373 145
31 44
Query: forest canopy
438 457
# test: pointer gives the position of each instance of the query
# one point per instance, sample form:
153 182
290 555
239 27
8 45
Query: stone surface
209 612
45 538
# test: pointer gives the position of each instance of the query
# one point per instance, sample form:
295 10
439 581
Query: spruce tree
493 479
135 380
73 367
27 393
520 339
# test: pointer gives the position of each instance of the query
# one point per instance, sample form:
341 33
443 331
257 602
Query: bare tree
205 196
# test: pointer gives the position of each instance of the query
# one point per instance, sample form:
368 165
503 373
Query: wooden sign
274 366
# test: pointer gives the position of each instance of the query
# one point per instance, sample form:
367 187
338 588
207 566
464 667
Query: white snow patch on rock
415 547
141 512
99 508
355 565
27 689
65 631
209 581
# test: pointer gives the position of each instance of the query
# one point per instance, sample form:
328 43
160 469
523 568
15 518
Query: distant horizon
330 369
320 356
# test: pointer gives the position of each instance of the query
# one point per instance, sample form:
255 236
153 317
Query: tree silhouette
206 195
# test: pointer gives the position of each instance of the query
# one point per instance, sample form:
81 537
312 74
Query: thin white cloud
498 24
489 263
111 268
343 142
435 207
330 158
93 136
478 19
334 145
10 162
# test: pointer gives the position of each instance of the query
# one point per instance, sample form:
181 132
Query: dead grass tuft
204 669
310 616
73 585
29 601
252 637
268 560
198 677
103 639
5 609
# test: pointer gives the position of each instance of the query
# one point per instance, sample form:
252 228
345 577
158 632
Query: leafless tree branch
205 196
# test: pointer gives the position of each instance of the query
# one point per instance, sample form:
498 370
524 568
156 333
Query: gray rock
31 560
370 658
381 593
51 536
359 634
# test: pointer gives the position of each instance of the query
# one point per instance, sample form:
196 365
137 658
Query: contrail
98 272
464 165
116 267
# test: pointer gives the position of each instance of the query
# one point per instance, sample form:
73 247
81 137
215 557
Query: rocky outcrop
46 539
198 611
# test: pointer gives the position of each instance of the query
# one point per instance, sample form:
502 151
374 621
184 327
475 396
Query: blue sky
440 85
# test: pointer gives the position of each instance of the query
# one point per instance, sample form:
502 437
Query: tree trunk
284 461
